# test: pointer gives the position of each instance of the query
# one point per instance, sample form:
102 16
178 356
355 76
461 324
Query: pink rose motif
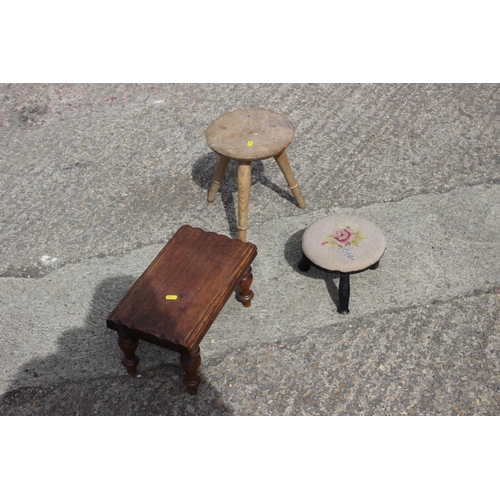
344 236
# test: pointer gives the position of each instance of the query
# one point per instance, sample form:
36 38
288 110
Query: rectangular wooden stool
178 297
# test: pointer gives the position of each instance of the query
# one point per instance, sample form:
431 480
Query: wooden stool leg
191 363
246 295
282 161
128 344
219 174
244 179
344 292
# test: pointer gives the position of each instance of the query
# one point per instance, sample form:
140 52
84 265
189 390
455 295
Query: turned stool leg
191 362
344 292
244 180
128 344
282 161
219 174
304 264
246 295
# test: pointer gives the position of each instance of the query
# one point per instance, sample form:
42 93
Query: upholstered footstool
344 244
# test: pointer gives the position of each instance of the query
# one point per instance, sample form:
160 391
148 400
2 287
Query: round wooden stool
345 244
248 135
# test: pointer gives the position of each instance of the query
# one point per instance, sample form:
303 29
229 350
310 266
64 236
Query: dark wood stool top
250 134
181 293
176 300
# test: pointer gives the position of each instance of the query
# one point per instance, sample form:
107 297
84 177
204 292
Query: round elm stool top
250 134
343 243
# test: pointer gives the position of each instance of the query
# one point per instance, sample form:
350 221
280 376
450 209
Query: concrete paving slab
90 170
438 247
96 178
421 361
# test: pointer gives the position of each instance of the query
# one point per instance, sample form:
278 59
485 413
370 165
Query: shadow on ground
293 254
203 173
72 384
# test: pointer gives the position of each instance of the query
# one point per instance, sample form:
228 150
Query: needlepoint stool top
250 134
344 243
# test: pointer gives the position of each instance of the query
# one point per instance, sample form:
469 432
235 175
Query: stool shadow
82 352
203 172
293 253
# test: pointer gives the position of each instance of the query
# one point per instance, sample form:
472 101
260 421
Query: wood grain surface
201 269
250 134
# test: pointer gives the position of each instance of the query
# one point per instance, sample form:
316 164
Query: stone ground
96 178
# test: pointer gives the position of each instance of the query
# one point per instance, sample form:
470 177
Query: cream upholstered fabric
345 243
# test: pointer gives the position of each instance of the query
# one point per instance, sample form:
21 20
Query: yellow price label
250 143
171 297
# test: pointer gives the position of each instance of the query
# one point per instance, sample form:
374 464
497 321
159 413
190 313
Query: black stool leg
304 264
375 266
344 292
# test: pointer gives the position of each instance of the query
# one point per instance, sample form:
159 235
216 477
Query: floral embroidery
344 237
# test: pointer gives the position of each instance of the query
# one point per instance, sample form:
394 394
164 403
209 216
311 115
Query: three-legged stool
176 300
345 244
248 135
